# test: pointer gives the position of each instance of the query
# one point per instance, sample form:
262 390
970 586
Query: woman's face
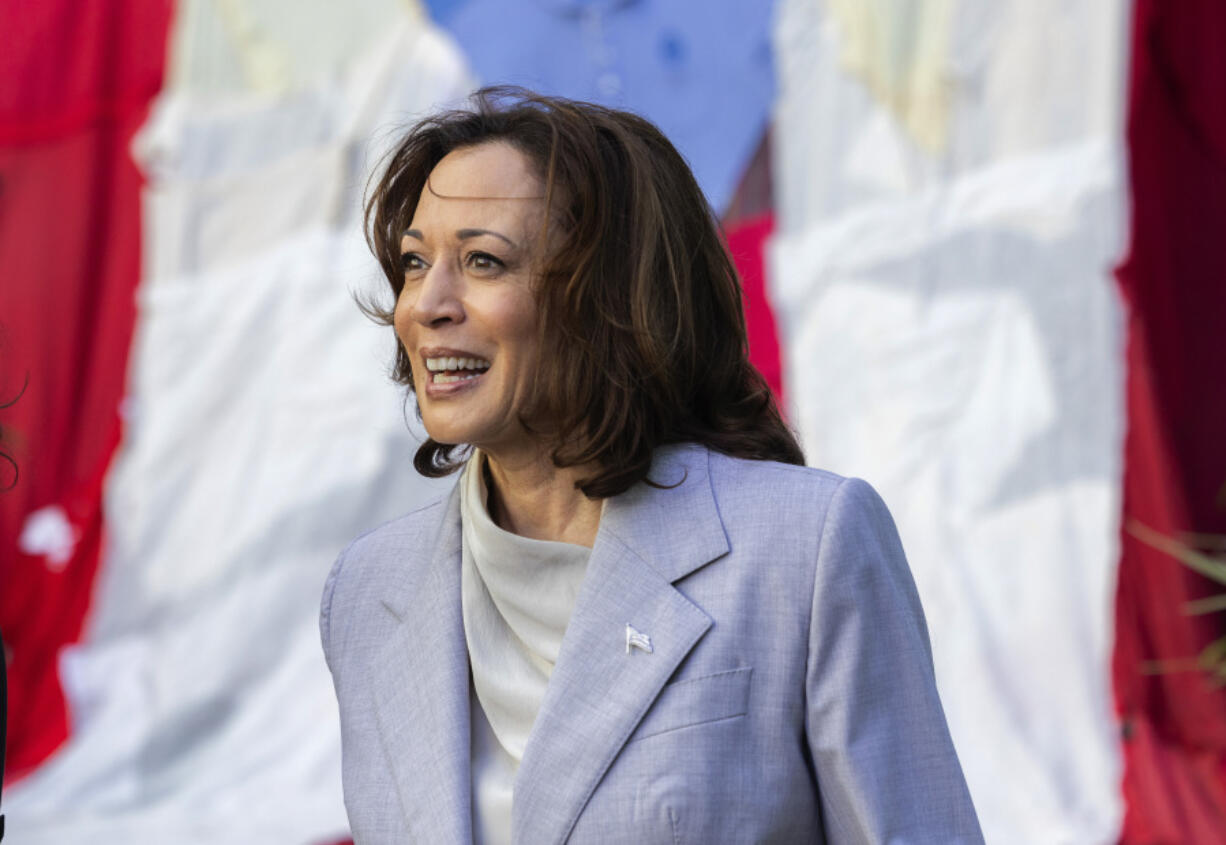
467 316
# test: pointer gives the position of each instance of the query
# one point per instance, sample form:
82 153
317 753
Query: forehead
493 170
489 187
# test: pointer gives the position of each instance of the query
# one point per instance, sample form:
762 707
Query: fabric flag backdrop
180 233
76 80
948 219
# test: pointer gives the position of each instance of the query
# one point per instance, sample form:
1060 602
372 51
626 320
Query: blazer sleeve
886 767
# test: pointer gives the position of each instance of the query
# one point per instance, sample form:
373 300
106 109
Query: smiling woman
636 617
466 315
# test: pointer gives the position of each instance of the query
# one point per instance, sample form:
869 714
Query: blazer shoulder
369 554
774 482
762 496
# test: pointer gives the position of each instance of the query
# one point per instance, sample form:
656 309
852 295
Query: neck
531 497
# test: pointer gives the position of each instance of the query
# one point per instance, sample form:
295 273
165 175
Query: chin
450 431
445 434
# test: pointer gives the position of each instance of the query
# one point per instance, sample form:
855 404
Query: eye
411 262
483 262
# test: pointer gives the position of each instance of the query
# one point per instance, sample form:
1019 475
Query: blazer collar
600 689
676 527
649 537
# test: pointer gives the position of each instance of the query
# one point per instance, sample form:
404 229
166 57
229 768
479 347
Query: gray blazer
788 695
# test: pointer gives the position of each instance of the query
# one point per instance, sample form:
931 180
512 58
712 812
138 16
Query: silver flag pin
637 639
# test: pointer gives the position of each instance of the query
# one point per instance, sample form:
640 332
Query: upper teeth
440 364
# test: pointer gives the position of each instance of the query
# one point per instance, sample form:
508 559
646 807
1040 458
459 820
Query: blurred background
983 245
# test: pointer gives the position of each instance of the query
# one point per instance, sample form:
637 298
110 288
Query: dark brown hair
641 326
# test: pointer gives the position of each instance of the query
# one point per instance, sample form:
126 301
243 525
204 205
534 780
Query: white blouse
517 596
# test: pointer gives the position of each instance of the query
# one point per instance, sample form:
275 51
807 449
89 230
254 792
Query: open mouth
448 370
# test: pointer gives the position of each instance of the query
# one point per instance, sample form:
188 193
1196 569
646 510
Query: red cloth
747 243
1174 282
78 76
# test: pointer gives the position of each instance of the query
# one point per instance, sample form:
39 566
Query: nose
436 299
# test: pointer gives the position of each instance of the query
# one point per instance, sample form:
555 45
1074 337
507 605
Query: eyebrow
463 234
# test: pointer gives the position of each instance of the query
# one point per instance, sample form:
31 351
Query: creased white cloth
517 595
951 331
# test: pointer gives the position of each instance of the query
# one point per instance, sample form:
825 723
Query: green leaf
1204 564
1216 542
1213 657
1209 604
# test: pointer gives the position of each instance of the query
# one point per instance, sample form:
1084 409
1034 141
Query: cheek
403 327
523 320
401 321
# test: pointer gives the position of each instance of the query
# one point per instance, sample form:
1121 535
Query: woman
637 617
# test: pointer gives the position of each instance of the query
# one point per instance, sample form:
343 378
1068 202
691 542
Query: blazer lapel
601 689
421 696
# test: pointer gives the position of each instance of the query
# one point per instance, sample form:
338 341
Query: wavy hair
642 330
